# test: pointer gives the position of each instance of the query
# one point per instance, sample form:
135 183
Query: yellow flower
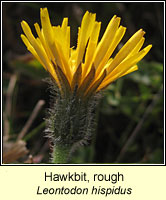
89 67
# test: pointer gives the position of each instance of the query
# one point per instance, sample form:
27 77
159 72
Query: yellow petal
48 67
67 39
28 33
126 49
42 39
65 24
87 24
66 43
49 35
46 25
64 62
61 49
125 67
32 50
65 33
136 48
90 66
118 36
106 40
103 86
53 37
72 60
132 69
36 45
91 49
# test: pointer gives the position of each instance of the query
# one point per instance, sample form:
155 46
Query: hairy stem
70 122
60 154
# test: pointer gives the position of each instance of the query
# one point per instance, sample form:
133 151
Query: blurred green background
130 115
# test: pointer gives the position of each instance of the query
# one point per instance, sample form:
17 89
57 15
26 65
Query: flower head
89 67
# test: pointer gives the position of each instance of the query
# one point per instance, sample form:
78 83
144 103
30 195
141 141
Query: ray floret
52 49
